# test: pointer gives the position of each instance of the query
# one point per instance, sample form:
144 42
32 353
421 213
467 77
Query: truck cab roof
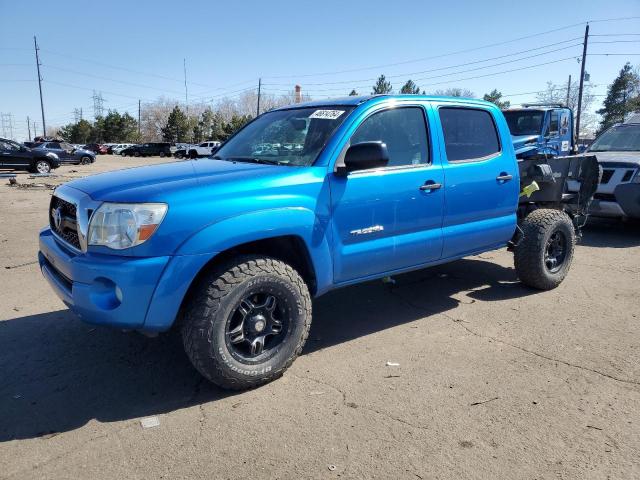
359 100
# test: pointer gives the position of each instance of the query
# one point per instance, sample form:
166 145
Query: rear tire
85 161
246 322
543 257
162 154
136 154
193 154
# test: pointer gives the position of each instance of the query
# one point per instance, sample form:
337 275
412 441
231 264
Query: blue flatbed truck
231 249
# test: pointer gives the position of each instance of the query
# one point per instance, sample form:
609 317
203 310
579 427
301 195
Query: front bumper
626 204
124 292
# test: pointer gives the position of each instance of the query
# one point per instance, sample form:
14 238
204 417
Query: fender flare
264 224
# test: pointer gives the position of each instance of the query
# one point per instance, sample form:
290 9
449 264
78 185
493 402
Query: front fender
269 223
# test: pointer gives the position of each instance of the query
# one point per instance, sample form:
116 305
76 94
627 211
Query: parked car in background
96 148
19 157
618 153
161 149
204 149
182 150
67 153
117 149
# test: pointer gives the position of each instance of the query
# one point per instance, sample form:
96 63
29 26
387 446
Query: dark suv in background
162 149
67 153
18 157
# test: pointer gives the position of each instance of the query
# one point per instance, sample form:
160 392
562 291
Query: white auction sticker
326 114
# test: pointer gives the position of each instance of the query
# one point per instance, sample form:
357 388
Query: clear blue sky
228 45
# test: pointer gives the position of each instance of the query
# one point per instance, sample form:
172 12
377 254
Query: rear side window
469 134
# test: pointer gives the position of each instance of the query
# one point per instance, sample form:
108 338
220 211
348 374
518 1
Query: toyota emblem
56 215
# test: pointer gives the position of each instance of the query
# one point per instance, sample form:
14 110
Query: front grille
627 175
63 221
606 176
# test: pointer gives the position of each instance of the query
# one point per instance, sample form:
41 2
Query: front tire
246 322
85 161
543 257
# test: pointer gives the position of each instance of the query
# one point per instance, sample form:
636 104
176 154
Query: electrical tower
6 120
77 114
98 104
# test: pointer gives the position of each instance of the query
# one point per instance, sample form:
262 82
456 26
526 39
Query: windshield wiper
249 160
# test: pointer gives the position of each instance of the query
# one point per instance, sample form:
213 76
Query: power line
405 75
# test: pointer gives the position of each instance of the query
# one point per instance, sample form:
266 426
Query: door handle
504 177
430 186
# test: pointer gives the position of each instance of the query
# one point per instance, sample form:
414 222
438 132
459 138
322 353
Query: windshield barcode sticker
326 114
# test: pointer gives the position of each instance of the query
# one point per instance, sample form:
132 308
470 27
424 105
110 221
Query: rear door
482 179
385 219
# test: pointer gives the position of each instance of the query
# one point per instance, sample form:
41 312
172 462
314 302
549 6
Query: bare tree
455 92
555 93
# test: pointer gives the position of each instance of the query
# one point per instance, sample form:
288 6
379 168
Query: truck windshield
285 137
621 138
526 122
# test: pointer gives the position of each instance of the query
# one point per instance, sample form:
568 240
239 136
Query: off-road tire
529 254
206 312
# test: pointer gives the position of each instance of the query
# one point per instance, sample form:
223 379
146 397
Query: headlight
124 225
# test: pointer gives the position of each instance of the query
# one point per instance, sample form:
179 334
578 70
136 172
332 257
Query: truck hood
617 157
159 182
519 142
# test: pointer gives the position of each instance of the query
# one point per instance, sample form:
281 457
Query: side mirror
363 156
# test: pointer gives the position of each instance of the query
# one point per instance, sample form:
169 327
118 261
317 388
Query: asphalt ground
494 380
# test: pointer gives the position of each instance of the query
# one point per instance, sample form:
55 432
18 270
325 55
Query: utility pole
259 92
29 127
568 91
186 96
35 132
139 134
584 59
44 125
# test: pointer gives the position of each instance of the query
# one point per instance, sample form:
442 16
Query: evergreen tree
410 88
623 97
177 127
495 96
382 86
353 93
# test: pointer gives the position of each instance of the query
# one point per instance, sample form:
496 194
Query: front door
389 218
13 155
58 149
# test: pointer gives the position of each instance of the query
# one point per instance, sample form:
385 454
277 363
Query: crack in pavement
460 322
541 355
356 406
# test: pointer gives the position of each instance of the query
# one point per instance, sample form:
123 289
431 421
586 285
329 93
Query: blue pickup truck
231 249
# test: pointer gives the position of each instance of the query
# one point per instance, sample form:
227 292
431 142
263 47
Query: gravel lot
494 380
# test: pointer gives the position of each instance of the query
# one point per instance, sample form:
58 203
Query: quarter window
469 134
404 132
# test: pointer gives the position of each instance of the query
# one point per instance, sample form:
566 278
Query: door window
554 124
53 145
469 134
403 130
